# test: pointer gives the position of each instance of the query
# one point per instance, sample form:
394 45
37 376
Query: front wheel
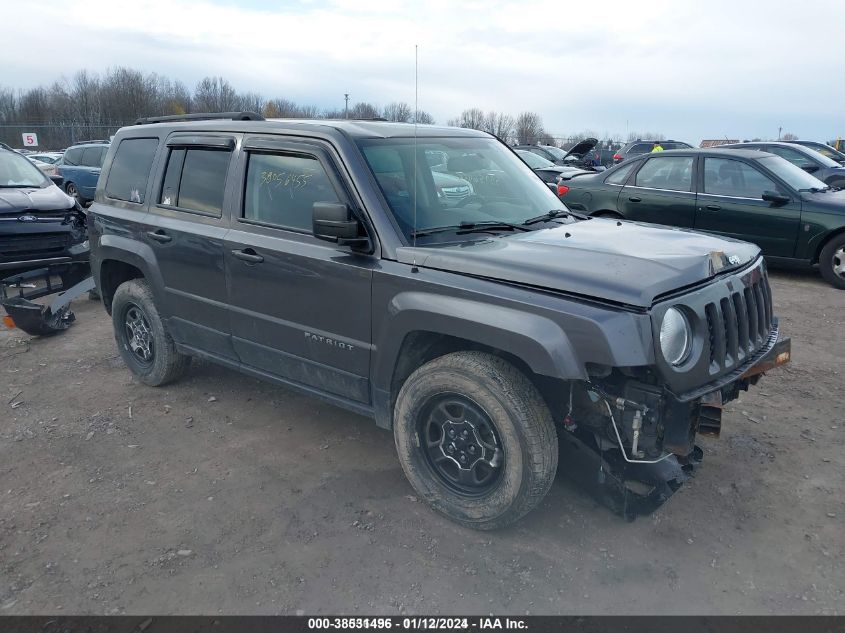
73 192
832 262
475 439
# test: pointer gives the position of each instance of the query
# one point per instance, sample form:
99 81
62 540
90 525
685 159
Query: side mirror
333 222
810 169
775 198
57 180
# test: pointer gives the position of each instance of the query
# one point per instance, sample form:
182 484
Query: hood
623 262
831 201
34 199
579 150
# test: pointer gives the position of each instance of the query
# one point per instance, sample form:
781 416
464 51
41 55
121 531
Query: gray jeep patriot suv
488 330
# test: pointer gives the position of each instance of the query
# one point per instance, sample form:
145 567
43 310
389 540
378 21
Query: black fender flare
539 342
129 251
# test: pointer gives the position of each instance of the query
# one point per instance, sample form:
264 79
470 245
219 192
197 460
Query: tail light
617 157
562 190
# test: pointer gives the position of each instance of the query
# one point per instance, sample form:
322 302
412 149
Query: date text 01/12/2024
419 623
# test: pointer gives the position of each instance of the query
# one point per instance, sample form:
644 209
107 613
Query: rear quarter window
130 169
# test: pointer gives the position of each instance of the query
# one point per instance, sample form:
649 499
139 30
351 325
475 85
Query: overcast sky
688 69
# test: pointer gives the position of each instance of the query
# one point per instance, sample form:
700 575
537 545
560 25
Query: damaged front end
629 433
18 293
43 253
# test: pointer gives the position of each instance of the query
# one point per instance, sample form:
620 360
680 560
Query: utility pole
779 131
346 107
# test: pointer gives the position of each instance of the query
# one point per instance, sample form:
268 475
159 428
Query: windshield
17 171
826 150
791 174
454 181
533 161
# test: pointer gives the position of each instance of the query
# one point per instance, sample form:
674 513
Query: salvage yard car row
741 192
487 324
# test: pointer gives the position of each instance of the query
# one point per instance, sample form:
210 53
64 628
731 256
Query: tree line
91 106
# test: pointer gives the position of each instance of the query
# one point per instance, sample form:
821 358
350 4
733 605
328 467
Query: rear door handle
160 236
713 207
248 255
635 199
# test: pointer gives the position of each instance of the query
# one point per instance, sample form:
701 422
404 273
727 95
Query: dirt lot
224 494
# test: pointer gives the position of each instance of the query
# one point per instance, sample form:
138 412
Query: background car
578 155
828 171
80 168
547 170
744 194
640 146
46 162
35 229
823 148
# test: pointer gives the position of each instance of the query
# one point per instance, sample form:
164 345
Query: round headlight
675 336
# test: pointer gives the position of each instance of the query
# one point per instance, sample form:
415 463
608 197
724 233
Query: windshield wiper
471 227
551 215
21 186
816 189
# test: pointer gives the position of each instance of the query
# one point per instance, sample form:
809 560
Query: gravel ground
221 494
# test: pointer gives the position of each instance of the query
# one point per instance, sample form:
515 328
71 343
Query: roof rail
90 142
201 116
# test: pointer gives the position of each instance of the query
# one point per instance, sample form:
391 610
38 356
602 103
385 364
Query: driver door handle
635 199
160 236
713 207
248 255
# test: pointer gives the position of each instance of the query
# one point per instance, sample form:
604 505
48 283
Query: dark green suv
793 216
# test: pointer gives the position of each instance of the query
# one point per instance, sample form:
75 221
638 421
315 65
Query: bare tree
424 118
472 118
528 128
499 124
215 94
398 111
788 136
364 110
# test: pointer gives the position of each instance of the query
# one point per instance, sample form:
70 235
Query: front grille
23 247
739 324
455 192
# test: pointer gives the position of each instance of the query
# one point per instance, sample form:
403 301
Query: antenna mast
416 116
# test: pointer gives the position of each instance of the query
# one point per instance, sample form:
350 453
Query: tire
832 262
518 474
73 192
145 346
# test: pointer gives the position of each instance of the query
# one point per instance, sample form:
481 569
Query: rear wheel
475 439
832 262
142 339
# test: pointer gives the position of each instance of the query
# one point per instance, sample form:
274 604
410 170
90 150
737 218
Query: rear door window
195 179
72 156
619 176
130 169
666 172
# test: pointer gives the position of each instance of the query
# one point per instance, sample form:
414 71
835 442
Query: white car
46 162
